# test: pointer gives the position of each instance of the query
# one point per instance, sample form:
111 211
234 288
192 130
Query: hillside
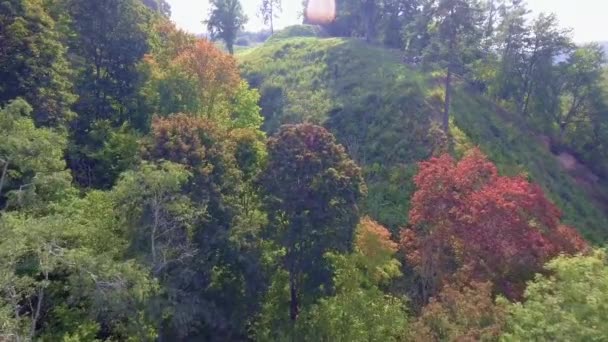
381 109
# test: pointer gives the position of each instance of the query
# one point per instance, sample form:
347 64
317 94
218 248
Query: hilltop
381 109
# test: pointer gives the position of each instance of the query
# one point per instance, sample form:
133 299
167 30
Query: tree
269 10
581 76
160 6
395 16
547 42
34 62
32 168
512 37
152 205
110 39
455 32
226 18
313 190
468 221
359 310
566 304
214 76
64 273
207 295
347 18
460 313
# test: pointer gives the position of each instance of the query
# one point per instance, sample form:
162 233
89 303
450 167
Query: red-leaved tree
467 221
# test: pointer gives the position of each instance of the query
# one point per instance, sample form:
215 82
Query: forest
390 170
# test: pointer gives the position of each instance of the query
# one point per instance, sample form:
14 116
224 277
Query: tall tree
226 19
207 295
469 221
269 10
313 190
110 39
455 34
547 42
160 6
34 62
32 167
512 37
395 16
581 75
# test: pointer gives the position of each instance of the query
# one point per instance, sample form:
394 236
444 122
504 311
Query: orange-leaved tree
467 221
189 75
215 72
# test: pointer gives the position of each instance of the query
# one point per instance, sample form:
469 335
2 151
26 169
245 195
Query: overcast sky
588 18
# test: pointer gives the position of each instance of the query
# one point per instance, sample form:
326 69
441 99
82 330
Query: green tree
460 313
64 275
269 10
313 190
455 34
358 310
539 79
226 19
581 76
214 293
32 168
512 36
160 6
567 304
33 62
110 38
395 16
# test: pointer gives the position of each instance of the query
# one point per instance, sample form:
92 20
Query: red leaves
463 214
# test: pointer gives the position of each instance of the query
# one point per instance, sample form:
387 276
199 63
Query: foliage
65 270
110 38
226 19
33 170
202 228
313 190
160 6
34 62
460 313
219 246
269 10
358 312
566 304
382 120
214 72
298 31
465 217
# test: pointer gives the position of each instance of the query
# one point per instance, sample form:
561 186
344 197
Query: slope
381 110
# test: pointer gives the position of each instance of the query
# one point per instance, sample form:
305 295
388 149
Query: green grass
381 110
515 150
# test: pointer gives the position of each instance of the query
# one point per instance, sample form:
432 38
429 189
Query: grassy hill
381 110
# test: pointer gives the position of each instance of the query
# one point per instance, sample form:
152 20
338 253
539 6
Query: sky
588 18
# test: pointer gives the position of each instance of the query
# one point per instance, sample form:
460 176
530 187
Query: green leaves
31 160
568 304
34 62
226 18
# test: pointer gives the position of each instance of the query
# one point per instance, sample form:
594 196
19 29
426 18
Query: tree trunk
271 18
448 102
294 309
4 173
